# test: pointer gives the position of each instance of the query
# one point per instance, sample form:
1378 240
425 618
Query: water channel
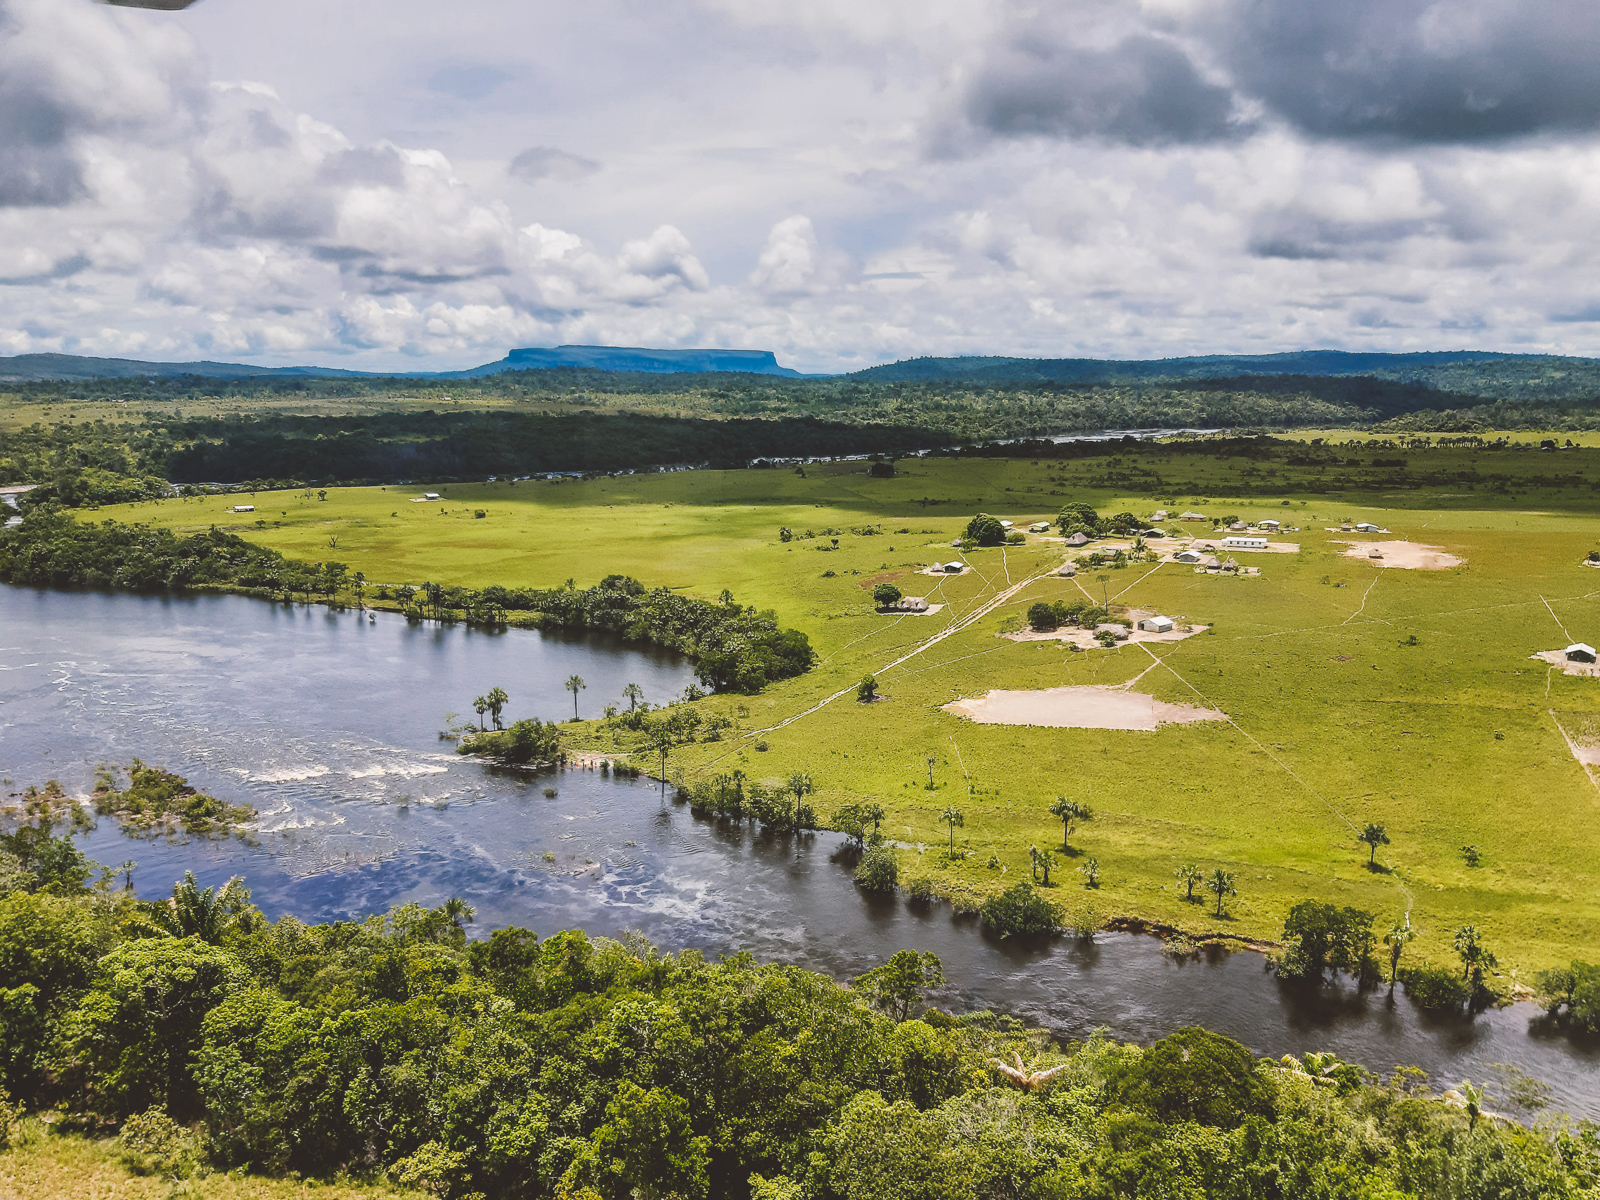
328 723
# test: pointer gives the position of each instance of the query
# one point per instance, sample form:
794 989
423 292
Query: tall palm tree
1373 835
209 913
952 817
633 693
1221 882
658 736
458 912
480 705
800 784
497 700
1188 875
575 684
1476 958
1069 811
1399 934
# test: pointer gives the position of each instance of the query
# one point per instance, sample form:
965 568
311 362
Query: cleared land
1080 708
1408 556
1337 717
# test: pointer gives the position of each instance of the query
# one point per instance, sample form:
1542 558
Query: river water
329 725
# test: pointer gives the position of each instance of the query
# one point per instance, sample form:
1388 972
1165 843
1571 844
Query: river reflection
328 724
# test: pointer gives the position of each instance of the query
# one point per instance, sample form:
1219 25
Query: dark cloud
1296 234
37 166
378 166
1145 90
546 162
1417 70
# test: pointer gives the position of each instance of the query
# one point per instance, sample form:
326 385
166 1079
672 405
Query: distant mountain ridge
1527 374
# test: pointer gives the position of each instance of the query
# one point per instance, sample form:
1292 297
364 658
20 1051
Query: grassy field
1336 717
54 1168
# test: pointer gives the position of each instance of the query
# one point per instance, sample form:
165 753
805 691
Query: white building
915 604
1367 527
244 508
1039 527
1244 542
1580 652
430 495
1156 624
954 568
1269 525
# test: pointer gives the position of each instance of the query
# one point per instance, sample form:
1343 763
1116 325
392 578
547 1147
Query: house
1194 516
430 495
1156 624
913 604
1160 514
1039 527
953 568
1078 539
1195 557
1120 632
1374 553
244 508
1367 527
956 545
1006 524
1066 570
1154 533
1245 543
1238 526
1580 652
1269 525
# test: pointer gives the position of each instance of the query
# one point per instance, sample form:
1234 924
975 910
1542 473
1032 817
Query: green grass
1335 721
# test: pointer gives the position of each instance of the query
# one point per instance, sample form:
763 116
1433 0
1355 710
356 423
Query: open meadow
1353 692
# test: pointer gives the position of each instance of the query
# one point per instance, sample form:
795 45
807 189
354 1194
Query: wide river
329 725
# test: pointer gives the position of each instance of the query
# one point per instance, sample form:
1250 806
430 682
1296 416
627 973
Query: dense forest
516 1066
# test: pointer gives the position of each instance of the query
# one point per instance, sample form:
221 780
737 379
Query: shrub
920 889
881 470
879 870
867 689
152 1143
1016 538
1020 911
1435 987
528 740
10 1115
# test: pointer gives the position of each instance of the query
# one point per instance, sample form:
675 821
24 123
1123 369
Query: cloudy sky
427 183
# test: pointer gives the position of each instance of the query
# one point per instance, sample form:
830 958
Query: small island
157 801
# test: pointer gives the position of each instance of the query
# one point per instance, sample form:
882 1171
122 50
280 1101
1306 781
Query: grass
1336 719
49 1167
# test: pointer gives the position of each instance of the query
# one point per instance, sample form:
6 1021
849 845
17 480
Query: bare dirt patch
1410 556
1084 638
1080 708
1558 658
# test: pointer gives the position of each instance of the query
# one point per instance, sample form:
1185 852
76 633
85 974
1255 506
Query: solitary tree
575 684
886 595
1188 875
1472 1098
1040 862
497 701
867 689
1068 811
952 817
480 705
458 912
633 693
1374 836
1091 873
1221 882
1399 934
358 584
126 871
931 761
800 784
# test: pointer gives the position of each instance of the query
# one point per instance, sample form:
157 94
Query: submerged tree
1400 933
800 784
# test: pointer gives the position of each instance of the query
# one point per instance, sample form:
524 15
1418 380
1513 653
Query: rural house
1250 542
1580 652
1156 624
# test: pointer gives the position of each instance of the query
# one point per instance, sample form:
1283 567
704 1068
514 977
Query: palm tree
358 584
931 761
210 913
1221 882
800 784
633 693
126 871
1069 811
1040 862
873 813
1472 1098
1399 934
575 684
458 912
1091 873
1188 875
1476 958
658 736
1374 836
952 817
497 700
480 705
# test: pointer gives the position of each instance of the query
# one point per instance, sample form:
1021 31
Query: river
328 723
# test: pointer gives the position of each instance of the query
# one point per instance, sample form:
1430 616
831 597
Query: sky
426 184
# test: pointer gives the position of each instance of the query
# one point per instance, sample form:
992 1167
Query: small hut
1156 624
1580 652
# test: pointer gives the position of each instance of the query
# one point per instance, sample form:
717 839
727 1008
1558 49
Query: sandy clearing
1558 658
1079 708
1084 638
1410 556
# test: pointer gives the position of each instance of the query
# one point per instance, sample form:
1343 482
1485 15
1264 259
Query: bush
920 889
152 1143
10 1115
1435 988
1016 538
527 741
1020 911
867 689
886 594
879 870
881 470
